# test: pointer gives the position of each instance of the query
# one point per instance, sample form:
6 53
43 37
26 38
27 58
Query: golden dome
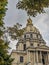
30 27
31 33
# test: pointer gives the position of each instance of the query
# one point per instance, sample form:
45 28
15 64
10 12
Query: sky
13 15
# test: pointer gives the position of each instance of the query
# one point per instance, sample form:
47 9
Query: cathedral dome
31 47
31 33
30 27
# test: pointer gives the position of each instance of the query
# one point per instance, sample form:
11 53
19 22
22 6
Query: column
28 57
34 57
40 57
37 56
48 56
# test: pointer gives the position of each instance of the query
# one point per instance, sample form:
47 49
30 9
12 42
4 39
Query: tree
32 7
4 56
16 31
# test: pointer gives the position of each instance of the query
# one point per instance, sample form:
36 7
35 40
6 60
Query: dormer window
31 35
24 36
34 36
38 44
27 35
24 47
31 44
39 36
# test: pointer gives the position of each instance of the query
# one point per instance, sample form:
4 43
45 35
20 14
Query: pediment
43 47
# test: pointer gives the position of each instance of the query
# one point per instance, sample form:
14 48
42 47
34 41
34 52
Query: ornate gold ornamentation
29 21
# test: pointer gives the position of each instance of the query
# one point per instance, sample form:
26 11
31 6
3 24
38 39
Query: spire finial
29 21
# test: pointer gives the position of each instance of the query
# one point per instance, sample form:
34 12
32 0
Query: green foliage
3 3
33 6
4 57
15 32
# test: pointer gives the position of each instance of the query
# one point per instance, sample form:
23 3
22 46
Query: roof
18 51
39 48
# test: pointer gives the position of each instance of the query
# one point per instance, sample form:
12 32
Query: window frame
21 59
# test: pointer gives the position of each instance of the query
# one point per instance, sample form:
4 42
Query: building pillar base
48 64
38 64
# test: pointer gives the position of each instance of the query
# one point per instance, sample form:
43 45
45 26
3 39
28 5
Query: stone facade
31 49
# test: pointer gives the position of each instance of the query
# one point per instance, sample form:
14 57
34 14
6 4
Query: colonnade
38 57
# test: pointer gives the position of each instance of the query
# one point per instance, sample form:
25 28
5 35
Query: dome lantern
29 21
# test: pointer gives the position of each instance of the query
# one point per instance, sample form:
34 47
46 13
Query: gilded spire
29 21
